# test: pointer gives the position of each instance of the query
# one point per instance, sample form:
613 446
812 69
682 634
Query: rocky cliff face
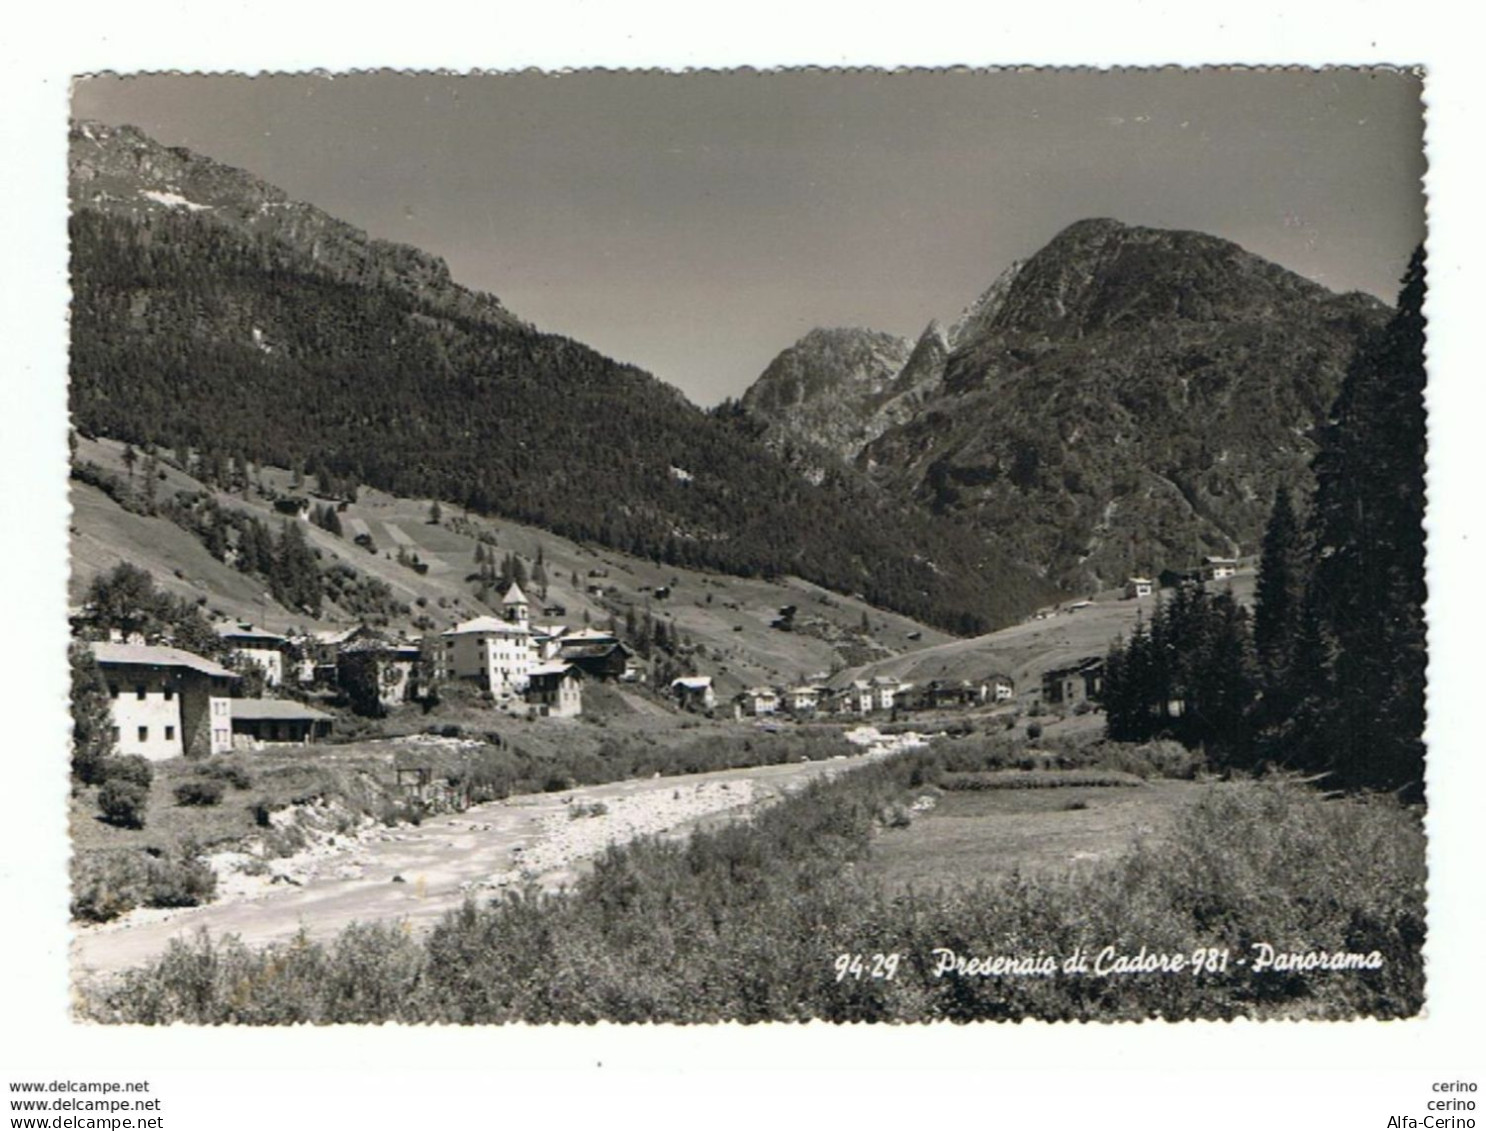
1130 403
833 392
1126 400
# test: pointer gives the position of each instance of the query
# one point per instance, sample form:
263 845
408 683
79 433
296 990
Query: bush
1245 863
109 883
199 792
1034 731
234 774
123 803
188 882
1160 758
134 768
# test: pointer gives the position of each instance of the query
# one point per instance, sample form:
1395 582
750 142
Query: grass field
1024 651
968 837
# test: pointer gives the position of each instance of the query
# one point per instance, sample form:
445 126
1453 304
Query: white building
1137 587
884 692
166 702
694 692
494 653
801 700
758 701
556 690
1218 569
497 654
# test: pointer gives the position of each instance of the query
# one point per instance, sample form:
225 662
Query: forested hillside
191 331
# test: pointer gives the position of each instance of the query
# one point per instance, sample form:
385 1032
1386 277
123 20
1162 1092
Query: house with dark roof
395 668
166 702
599 655
266 649
1074 683
555 690
259 721
694 692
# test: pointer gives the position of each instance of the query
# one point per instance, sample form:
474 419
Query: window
169 693
114 732
170 734
139 691
113 690
144 734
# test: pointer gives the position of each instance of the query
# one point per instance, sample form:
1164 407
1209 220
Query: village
167 702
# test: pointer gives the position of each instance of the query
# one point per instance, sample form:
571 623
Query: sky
697 224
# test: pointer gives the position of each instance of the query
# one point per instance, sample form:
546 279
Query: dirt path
451 857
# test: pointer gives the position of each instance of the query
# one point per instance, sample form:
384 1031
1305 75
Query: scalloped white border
892 1074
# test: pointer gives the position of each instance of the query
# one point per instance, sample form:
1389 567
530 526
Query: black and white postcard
590 560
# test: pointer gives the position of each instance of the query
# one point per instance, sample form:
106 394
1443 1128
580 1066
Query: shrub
134 768
677 931
187 882
106 884
591 809
199 792
1160 758
1034 731
234 774
123 803
1036 779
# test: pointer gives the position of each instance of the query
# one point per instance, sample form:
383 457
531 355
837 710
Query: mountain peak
120 171
1099 274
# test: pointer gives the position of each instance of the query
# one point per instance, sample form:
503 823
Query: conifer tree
1367 586
92 719
1279 592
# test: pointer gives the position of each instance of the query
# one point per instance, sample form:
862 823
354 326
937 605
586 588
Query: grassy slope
734 628
1024 651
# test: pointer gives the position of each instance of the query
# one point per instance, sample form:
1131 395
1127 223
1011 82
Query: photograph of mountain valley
747 546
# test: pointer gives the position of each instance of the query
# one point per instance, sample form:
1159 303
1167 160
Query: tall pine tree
1367 585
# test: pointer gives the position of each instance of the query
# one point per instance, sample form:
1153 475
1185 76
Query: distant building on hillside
1218 569
802 700
1137 587
600 655
885 689
694 692
495 654
259 721
1074 683
857 698
757 702
1000 688
951 693
396 667
264 648
322 652
556 690
166 702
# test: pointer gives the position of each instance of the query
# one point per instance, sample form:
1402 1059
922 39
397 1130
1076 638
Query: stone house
166 702
264 648
555 690
1074 683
